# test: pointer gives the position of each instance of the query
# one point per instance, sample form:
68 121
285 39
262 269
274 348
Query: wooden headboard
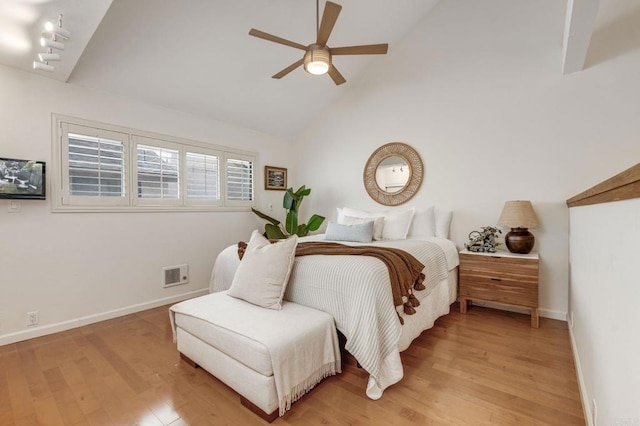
623 186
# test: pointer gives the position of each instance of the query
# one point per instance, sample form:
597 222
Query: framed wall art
275 178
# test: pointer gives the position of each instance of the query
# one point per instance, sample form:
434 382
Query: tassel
418 286
409 310
242 246
414 301
400 318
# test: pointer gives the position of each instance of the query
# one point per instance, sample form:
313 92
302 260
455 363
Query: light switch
15 207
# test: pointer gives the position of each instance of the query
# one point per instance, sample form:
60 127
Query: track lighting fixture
51 33
45 42
48 57
42 66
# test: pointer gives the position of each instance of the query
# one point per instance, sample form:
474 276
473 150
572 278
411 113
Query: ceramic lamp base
519 240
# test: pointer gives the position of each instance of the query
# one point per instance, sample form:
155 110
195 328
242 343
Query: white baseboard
546 313
44 330
584 396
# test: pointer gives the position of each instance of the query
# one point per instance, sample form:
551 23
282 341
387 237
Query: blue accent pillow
360 233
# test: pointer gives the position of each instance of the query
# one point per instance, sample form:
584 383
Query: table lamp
519 216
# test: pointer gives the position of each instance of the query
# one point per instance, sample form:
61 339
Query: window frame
60 186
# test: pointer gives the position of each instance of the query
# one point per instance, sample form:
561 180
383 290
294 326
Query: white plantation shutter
240 178
100 167
203 178
94 166
157 172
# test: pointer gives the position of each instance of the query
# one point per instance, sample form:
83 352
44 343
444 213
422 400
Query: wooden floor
485 367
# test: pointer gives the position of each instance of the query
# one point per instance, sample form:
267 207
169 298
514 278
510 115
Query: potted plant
291 202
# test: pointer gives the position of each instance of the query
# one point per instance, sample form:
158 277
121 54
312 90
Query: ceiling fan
317 56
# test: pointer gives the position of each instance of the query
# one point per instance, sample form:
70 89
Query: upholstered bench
263 354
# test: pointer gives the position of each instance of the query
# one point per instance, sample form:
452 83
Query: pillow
396 225
262 276
359 233
423 223
378 223
359 214
443 222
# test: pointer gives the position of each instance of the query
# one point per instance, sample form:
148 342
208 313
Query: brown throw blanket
405 271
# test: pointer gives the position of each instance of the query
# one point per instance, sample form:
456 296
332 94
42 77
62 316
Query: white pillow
353 213
359 233
423 223
443 222
378 224
264 271
396 225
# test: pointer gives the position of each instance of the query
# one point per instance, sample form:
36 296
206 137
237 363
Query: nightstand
502 277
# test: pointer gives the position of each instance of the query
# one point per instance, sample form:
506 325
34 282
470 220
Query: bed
355 291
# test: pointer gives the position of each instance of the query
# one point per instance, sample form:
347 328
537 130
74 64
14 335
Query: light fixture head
52 28
42 67
45 42
48 57
317 60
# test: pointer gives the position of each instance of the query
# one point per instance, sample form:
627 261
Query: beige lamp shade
518 214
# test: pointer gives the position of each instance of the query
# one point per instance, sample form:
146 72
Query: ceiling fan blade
276 39
367 49
329 18
288 69
337 78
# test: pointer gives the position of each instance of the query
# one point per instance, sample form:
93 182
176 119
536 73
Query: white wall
477 90
605 289
73 265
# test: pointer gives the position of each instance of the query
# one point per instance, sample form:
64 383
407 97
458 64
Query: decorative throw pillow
359 233
396 225
423 223
263 274
378 218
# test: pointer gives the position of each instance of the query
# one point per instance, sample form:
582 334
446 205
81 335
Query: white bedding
356 291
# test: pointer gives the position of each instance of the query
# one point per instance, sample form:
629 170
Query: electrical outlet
270 207
33 318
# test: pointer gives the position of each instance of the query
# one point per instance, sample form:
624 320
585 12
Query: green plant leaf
265 217
305 192
292 222
300 190
289 200
315 222
274 232
302 230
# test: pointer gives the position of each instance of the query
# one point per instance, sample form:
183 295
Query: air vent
175 275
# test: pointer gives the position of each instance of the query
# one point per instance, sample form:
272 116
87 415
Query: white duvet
356 291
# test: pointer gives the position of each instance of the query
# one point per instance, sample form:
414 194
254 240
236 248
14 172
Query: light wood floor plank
487 367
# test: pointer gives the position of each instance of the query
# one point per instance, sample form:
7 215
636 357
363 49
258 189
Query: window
109 168
203 178
239 179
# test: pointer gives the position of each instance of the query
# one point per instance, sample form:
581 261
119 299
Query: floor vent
175 275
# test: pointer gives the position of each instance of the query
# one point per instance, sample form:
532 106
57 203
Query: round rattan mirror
393 174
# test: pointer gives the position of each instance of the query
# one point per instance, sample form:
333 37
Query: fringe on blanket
301 389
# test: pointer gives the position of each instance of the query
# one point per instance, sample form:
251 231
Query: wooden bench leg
257 411
463 305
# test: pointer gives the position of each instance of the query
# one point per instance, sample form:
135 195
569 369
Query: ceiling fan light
317 61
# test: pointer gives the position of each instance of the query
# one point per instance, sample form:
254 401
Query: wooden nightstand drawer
502 278
501 290
490 266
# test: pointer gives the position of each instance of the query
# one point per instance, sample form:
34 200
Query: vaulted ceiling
196 55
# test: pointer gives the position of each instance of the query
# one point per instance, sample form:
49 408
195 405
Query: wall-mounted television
22 179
